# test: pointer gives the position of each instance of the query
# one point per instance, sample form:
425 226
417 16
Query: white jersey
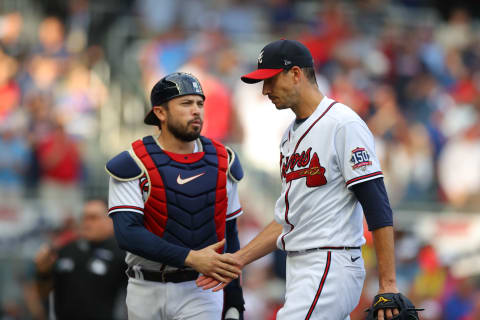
328 153
129 196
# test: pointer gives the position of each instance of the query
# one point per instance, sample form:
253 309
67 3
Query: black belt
336 248
163 276
321 248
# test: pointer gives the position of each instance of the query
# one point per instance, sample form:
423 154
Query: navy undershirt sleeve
132 236
231 236
374 200
233 245
233 293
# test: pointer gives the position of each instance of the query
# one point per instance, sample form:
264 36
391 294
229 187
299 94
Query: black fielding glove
393 301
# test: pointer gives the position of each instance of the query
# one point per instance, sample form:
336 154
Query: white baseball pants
148 300
323 285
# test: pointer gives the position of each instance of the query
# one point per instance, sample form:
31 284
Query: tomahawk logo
314 173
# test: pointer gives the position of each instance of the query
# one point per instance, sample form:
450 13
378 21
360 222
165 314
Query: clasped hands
217 270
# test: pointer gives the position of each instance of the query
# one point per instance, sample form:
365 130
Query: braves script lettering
314 173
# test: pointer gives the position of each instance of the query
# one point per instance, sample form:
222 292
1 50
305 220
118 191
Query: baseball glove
393 301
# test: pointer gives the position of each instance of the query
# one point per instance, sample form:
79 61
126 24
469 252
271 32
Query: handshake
217 270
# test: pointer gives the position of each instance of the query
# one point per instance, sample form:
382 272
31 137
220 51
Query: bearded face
182 117
188 131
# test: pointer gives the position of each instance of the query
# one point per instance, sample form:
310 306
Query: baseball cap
171 86
278 56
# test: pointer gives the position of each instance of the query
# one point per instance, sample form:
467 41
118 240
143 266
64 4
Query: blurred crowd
75 78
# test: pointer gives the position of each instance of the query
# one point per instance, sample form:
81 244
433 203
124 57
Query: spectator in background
475 314
60 164
456 33
51 36
218 105
460 303
9 89
86 275
162 55
78 22
39 126
14 155
158 16
41 76
459 169
226 64
344 90
431 280
11 42
78 98
410 162
330 28
406 254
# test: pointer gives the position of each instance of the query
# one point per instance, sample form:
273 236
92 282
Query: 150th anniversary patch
360 158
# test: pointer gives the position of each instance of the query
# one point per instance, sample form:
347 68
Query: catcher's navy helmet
174 85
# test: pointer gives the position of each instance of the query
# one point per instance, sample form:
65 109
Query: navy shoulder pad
235 170
123 167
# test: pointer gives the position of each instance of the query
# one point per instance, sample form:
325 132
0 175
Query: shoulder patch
123 167
360 159
235 170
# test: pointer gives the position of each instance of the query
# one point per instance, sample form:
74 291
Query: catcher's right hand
407 310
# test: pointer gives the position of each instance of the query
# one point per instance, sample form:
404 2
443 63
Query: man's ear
297 73
160 112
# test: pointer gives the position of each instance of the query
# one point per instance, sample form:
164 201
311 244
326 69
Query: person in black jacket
86 276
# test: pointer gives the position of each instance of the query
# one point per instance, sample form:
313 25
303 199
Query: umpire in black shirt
86 275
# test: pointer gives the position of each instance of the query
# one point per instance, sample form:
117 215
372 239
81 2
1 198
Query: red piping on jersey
320 287
144 182
221 192
234 213
373 174
295 150
125 207
311 126
287 207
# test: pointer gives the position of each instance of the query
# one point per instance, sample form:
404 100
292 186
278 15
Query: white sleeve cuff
235 214
367 177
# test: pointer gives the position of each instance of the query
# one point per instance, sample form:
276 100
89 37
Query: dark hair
165 105
100 199
310 75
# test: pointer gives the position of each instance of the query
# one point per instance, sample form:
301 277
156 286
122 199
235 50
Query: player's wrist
190 259
241 257
388 287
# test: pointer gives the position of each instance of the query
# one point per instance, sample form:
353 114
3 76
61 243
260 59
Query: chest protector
187 200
